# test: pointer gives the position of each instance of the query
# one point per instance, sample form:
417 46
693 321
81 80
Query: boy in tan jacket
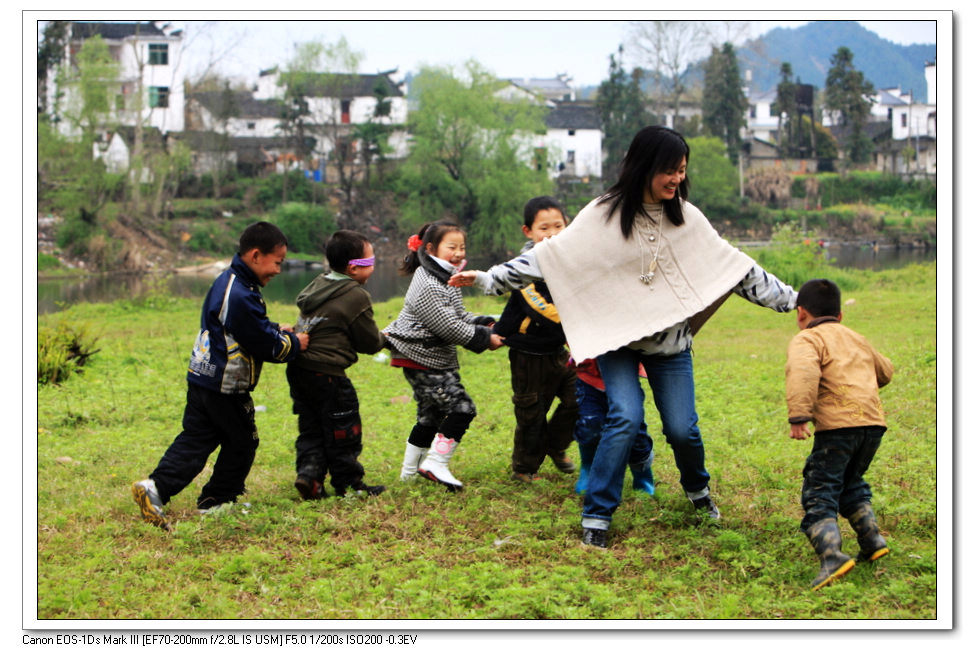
832 379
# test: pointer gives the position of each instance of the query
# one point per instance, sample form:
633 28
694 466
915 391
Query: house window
251 126
572 131
571 157
158 54
346 110
158 97
752 112
903 120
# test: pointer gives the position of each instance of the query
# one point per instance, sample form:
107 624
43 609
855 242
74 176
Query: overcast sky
508 48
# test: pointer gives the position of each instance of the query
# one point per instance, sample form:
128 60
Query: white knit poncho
594 276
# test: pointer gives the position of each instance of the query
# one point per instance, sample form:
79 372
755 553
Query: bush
306 226
268 194
794 259
61 351
211 237
47 262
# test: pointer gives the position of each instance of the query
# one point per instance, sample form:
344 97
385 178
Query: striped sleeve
512 275
762 288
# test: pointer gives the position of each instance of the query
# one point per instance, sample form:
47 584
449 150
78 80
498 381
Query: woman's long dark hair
653 150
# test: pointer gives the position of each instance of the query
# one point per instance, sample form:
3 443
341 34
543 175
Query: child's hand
462 279
496 342
286 328
799 431
302 340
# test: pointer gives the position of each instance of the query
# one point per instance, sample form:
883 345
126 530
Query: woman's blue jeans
671 379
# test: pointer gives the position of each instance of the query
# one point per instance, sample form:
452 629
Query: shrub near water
497 550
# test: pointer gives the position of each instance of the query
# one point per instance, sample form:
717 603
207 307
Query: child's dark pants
536 381
329 427
833 476
210 420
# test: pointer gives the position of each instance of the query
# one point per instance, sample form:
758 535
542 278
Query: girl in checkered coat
424 340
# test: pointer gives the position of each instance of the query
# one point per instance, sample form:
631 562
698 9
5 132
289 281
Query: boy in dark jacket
235 338
336 311
540 370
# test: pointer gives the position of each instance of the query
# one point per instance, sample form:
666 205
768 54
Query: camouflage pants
832 480
442 405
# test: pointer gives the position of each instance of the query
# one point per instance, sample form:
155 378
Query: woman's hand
462 279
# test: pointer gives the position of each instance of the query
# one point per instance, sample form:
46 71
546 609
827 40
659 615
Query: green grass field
497 550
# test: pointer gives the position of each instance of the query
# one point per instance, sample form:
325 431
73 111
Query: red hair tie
413 243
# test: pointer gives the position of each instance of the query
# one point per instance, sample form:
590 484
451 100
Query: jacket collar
822 319
243 271
431 266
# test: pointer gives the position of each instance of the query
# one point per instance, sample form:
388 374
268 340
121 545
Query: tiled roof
114 31
347 85
573 115
243 101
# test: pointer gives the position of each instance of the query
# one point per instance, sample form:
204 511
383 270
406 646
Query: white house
148 54
915 124
336 103
573 140
343 101
760 123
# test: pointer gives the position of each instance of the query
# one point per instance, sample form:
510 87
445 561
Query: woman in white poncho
635 276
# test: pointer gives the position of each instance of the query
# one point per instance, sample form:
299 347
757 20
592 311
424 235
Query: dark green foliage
622 108
871 187
270 188
306 226
845 93
211 236
724 102
62 350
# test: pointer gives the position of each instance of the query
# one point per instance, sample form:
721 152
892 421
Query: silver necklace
648 276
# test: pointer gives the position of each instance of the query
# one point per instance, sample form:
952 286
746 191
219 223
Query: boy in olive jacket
336 312
832 379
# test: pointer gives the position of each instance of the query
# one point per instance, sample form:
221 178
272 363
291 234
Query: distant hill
809 48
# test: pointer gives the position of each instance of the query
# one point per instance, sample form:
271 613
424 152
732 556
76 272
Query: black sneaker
309 489
706 505
359 486
594 537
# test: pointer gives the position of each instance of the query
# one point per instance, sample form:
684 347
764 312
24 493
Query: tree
317 84
787 111
374 133
848 96
470 156
669 47
713 178
622 109
724 102
50 54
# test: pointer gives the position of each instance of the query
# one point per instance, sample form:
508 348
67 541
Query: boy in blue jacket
235 339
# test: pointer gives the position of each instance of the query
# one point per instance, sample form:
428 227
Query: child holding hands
424 339
336 311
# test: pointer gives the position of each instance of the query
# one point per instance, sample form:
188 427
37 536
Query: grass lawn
497 550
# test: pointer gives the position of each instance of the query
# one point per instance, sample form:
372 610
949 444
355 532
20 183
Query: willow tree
471 155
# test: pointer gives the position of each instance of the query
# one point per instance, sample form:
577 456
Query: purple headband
364 261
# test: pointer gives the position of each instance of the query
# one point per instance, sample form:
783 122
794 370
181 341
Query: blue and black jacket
236 336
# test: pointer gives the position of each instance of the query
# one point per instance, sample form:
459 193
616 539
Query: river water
385 283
